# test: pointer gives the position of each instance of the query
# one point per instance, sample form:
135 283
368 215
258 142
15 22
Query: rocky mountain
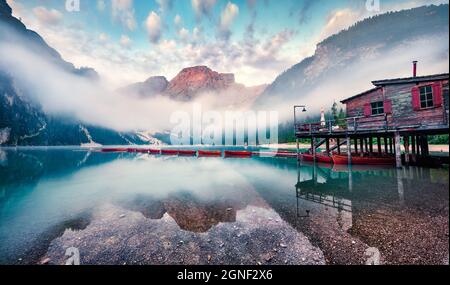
365 46
195 81
22 120
154 85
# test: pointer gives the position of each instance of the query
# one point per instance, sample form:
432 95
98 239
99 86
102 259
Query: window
426 97
377 108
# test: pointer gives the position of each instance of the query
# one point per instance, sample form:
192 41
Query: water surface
142 209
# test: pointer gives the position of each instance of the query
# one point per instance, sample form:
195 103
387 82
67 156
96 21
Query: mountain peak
194 80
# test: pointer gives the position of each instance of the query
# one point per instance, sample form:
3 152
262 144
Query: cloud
103 37
165 5
227 17
183 34
123 11
101 5
178 20
153 26
125 41
50 17
203 7
338 21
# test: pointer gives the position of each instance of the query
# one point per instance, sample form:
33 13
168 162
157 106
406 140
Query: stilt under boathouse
396 112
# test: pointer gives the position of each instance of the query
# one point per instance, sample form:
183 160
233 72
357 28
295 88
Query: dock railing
346 125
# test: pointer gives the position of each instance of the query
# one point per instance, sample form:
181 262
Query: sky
128 41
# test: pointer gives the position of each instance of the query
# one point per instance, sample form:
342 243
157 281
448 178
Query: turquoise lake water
109 205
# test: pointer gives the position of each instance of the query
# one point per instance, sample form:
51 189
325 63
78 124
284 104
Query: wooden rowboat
209 153
169 152
322 158
187 152
364 160
278 154
229 153
154 151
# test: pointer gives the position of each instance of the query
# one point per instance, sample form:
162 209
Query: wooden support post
418 145
313 143
338 141
379 145
361 144
426 147
413 144
371 145
398 151
391 149
366 145
298 149
406 145
349 151
385 144
327 142
356 145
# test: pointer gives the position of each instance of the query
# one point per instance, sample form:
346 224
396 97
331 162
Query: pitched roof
360 94
384 82
417 79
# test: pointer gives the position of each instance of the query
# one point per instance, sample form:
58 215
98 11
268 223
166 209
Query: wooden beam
413 144
356 145
385 139
349 151
398 151
379 144
406 145
361 144
371 144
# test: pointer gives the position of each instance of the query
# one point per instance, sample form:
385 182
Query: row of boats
334 158
202 153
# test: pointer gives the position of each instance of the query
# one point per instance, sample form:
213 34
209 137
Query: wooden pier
397 111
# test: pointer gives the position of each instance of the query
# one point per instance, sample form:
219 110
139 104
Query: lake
128 208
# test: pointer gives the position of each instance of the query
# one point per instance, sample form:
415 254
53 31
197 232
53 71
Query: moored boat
169 152
187 152
215 153
320 157
154 151
278 154
230 153
364 160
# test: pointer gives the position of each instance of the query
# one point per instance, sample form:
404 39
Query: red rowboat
169 152
364 160
187 152
323 158
154 151
229 153
216 153
114 150
141 150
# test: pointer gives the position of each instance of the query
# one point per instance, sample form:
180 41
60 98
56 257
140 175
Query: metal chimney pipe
415 68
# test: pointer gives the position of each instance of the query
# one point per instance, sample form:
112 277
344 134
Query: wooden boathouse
396 111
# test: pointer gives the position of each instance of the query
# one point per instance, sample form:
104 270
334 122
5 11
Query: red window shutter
415 98
367 110
437 94
388 107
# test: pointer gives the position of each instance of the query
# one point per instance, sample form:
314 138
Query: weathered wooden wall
403 114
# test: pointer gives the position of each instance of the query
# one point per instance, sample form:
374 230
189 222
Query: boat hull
169 152
319 158
229 153
209 153
187 152
364 160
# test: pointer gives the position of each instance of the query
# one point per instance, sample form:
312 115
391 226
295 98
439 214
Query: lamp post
303 107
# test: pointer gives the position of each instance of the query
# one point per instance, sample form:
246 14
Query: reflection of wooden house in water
408 109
